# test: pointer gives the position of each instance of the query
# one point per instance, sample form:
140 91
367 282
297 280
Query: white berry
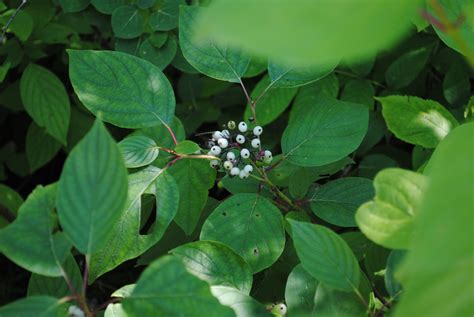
214 163
223 143
228 165
255 143
240 139
243 174
230 156
217 135
257 130
282 309
268 154
215 150
225 134
245 153
248 169
234 171
243 127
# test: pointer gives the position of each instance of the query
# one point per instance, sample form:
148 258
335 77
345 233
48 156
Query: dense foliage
236 158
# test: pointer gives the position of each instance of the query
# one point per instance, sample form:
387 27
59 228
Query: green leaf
251 225
236 185
56 286
194 178
357 242
392 284
4 70
337 201
455 10
288 76
92 190
297 32
272 104
388 219
242 304
216 61
127 22
138 151
417 121
71 6
325 132
41 306
115 310
456 84
187 147
373 163
359 91
326 256
300 290
407 67
128 91
22 24
161 57
167 289
29 241
437 273
125 241
46 101
11 200
216 264
107 6
161 135
165 18
40 147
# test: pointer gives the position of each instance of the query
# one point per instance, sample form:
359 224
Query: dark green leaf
127 22
40 147
165 18
41 306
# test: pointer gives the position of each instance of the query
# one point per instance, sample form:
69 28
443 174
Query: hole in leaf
257 215
255 251
224 214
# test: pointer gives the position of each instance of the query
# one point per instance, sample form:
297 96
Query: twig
10 20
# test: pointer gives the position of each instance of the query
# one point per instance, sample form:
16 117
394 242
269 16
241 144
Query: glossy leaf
216 263
272 103
296 32
214 60
300 290
187 147
29 241
326 256
92 190
324 133
337 201
125 241
417 121
128 91
288 76
41 306
242 304
388 219
194 179
138 151
46 101
251 226
438 269
167 289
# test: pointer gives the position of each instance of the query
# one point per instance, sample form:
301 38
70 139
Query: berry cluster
238 147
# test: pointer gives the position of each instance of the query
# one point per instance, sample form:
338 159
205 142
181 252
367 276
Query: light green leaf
214 60
242 304
324 133
337 201
138 151
127 22
417 121
124 291
407 67
300 290
187 147
40 306
92 190
128 91
46 101
125 241
56 286
194 178
216 264
165 18
29 241
288 76
388 219
251 225
272 104
40 147
167 289
297 32
326 256
115 310
437 273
